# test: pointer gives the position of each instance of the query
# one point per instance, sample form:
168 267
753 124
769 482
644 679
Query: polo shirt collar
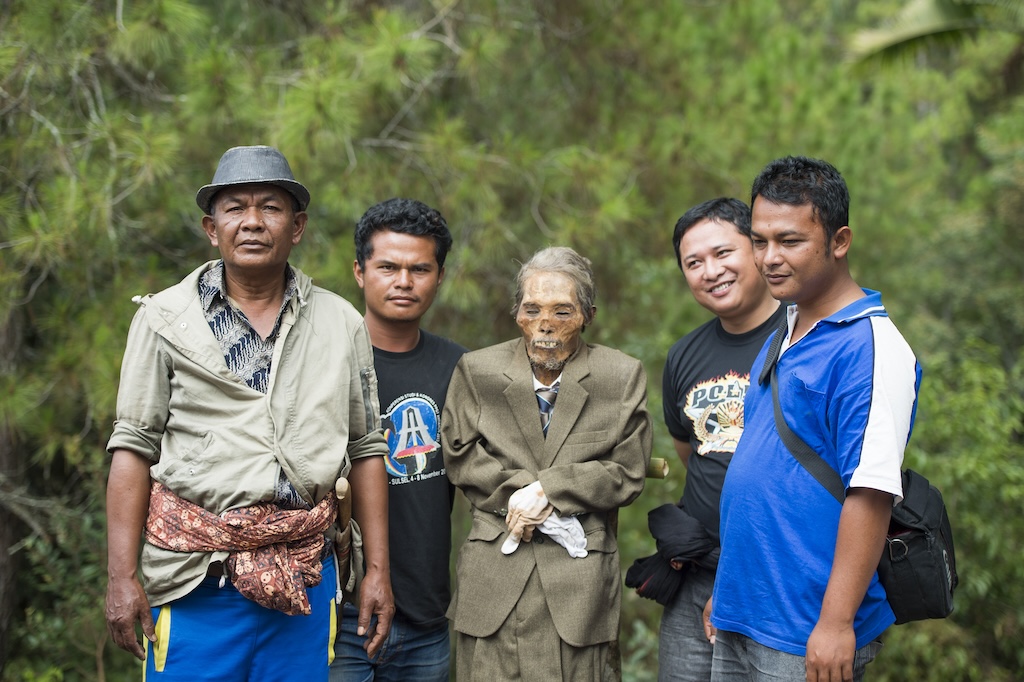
869 306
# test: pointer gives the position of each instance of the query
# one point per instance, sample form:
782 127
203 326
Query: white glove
527 507
566 532
529 501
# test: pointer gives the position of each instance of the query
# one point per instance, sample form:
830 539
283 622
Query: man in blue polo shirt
797 594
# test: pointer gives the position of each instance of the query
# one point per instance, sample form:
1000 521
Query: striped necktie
546 402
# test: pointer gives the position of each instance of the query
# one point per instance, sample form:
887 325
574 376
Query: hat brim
205 195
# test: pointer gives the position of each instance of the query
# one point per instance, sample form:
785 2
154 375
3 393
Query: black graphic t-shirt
707 373
412 387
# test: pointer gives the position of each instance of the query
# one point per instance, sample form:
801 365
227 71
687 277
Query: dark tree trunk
10 474
7 540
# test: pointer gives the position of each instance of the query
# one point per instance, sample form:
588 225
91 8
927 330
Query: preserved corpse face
551 321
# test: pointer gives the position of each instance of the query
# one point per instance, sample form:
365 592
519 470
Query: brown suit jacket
592 462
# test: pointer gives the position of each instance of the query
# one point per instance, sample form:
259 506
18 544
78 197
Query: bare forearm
127 506
862 528
370 510
684 450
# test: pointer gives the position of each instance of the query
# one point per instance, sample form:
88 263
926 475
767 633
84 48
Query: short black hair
797 181
406 216
720 210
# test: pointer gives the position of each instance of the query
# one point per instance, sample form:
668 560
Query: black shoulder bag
918 566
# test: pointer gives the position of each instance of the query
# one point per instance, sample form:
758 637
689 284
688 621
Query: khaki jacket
221 444
592 462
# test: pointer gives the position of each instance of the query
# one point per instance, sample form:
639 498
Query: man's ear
440 275
210 229
358 273
300 226
841 241
593 314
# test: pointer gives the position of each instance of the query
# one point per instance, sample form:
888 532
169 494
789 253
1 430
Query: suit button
540 540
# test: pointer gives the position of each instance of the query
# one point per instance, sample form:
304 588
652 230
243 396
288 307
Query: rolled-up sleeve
143 395
366 437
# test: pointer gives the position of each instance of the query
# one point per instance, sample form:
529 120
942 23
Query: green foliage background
589 123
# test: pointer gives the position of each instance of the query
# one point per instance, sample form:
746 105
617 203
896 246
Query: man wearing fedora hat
245 394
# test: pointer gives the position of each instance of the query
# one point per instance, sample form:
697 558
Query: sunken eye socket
533 312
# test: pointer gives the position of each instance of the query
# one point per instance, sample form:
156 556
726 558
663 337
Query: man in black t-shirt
401 245
706 376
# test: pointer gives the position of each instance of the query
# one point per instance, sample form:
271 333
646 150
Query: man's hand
522 524
375 599
126 606
830 651
369 483
127 506
709 630
527 506
527 509
859 542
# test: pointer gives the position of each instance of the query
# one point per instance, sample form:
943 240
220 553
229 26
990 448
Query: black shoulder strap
801 451
773 350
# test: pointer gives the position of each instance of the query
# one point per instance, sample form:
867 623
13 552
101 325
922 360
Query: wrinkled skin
552 322
254 227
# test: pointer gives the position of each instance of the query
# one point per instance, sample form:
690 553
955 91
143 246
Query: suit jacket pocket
600 540
486 527
585 446
586 437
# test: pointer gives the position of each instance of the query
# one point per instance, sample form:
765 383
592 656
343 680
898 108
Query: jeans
684 652
410 653
739 658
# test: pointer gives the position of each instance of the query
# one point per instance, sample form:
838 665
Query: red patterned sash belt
275 553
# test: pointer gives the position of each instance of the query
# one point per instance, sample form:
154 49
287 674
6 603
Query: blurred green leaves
591 124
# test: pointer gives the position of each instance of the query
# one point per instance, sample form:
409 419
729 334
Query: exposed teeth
721 287
545 344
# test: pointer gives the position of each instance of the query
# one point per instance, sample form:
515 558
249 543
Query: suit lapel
522 402
571 399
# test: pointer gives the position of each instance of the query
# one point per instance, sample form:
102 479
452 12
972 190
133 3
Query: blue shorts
214 633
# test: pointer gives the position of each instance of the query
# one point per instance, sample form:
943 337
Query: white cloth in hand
566 532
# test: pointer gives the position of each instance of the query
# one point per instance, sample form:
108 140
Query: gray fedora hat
252 165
